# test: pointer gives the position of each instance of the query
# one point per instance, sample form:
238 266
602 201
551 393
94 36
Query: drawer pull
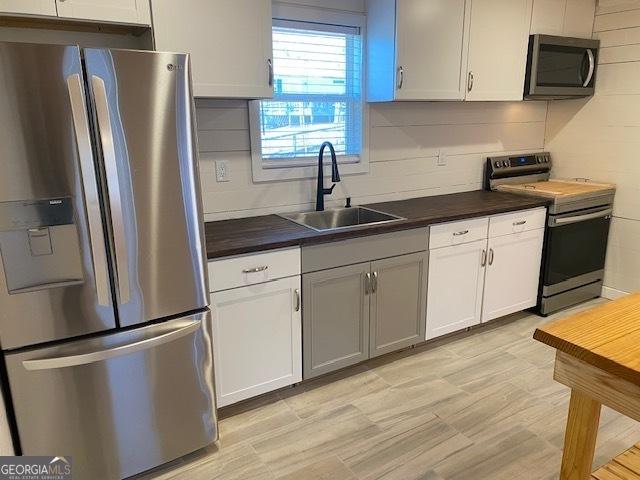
483 261
367 284
458 234
491 256
255 270
521 222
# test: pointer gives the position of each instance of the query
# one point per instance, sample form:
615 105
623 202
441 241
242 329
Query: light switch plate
222 170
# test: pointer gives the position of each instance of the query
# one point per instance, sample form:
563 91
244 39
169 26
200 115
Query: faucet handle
329 191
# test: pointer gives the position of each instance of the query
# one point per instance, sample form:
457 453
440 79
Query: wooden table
598 357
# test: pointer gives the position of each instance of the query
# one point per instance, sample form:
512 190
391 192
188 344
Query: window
317 97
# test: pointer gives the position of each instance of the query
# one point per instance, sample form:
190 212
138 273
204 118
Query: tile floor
479 405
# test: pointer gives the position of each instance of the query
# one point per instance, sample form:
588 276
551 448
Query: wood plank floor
480 405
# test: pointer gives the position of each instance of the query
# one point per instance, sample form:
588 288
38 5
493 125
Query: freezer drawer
118 404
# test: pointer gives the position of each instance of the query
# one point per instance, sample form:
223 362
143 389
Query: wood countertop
607 337
245 235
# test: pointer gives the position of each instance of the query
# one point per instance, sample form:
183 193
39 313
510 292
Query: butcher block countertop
607 337
245 235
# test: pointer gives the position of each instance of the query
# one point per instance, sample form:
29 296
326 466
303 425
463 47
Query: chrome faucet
335 176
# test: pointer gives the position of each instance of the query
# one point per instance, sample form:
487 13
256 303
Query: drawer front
363 249
254 268
516 222
457 233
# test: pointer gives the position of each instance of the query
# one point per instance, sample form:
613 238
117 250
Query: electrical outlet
442 158
222 171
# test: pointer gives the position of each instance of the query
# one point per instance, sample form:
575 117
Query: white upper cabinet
498 44
29 7
229 42
119 11
416 49
570 18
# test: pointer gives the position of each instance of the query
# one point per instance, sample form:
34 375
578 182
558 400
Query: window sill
265 173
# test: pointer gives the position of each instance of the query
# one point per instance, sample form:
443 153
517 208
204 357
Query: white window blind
317 93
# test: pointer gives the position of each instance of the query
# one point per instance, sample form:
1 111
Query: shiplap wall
404 139
599 137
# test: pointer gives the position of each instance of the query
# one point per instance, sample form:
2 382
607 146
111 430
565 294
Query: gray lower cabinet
398 303
335 318
352 313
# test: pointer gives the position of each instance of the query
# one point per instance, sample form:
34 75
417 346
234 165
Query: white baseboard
612 293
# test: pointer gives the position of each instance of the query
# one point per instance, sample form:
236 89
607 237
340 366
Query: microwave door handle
592 67
89 187
113 184
101 355
581 218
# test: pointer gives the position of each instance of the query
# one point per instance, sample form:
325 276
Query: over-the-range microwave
560 67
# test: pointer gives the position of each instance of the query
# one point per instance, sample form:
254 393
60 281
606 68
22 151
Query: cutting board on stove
558 188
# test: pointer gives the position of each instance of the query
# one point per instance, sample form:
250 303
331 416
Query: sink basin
340 218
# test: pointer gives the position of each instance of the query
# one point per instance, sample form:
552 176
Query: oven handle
556 222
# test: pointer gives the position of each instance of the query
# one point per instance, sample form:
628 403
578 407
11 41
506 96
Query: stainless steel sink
340 218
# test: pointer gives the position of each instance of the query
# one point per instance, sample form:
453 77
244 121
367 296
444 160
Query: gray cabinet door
335 319
398 315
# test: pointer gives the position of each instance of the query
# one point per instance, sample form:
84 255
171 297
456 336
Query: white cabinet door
431 49
578 18
548 16
229 42
513 271
29 7
570 18
454 291
121 11
498 49
257 337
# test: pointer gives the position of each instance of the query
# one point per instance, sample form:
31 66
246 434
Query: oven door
561 67
575 249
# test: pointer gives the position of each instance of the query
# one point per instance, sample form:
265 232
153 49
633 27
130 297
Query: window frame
265 170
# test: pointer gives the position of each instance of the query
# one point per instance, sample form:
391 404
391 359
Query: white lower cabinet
456 279
479 280
256 339
513 271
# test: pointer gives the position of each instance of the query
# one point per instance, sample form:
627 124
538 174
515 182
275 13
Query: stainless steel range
578 226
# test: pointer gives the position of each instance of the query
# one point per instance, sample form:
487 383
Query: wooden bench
624 467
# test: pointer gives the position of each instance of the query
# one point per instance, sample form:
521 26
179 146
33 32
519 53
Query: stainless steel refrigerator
104 324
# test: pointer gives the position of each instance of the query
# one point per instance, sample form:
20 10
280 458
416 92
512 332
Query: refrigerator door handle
90 188
101 355
115 200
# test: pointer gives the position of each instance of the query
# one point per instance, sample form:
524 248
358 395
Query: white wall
599 138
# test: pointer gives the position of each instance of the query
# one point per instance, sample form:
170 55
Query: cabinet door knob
367 284
470 82
491 256
483 261
296 293
375 282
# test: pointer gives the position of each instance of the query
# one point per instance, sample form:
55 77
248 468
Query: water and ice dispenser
39 245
